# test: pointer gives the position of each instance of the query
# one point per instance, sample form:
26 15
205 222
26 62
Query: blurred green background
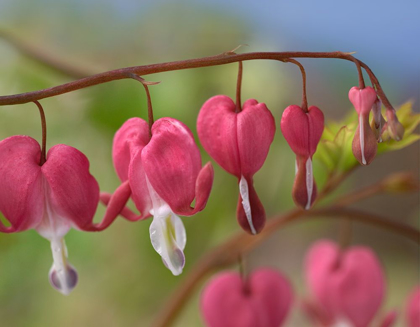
122 281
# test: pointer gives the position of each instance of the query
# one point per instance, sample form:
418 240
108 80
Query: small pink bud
364 142
303 131
239 143
413 308
396 130
348 284
263 300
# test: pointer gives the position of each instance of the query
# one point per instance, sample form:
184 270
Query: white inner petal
53 227
362 139
243 190
167 233
309 182
62 275
342 322
296 167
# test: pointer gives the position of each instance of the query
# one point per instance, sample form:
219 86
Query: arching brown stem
238 88
302 70
44 134
221 59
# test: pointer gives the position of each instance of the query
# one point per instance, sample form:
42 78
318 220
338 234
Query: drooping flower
347 286
239 143
413 308
302 131
364 141
50 198
262 300
163 173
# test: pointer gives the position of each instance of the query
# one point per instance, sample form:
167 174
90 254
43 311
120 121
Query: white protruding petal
63 277
167 233
362 139
377 115
342 323
296 167
243 190
168 237
309 182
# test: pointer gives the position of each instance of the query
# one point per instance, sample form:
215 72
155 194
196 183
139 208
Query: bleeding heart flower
50 198
302 131
262 300
348 285
413 308
364 141
163 173
239 143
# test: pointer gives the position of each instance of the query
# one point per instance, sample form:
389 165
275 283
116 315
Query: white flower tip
63 280
243 190
309 183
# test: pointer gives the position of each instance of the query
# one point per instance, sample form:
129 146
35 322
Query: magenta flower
50 198
239 143
164 175
365 141
413 308
262 300
348 285
302 131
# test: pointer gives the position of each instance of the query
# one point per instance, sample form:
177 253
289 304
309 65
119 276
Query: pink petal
413 308
362 99
74 192
125 212
349 284
301 130
255 133
115 205
137 178
257 211
172 163
274 292
128 140
320 262
263 301
364 144
21 191
217 131
304 187
203 187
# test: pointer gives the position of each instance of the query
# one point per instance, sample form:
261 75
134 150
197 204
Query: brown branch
46 59
228 252
221 59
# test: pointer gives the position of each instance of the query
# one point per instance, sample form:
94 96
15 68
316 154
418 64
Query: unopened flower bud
364 143
395 128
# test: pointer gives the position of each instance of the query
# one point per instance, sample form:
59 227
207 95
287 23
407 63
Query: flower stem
44 133
238 88
221 59
149 100
304 105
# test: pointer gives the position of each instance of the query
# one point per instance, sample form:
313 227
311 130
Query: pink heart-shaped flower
348 284
263 300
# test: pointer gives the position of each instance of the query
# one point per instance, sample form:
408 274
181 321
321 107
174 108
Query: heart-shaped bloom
348 285
262 300
50 198
163 173
302 131
365 141
239 143
413 308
